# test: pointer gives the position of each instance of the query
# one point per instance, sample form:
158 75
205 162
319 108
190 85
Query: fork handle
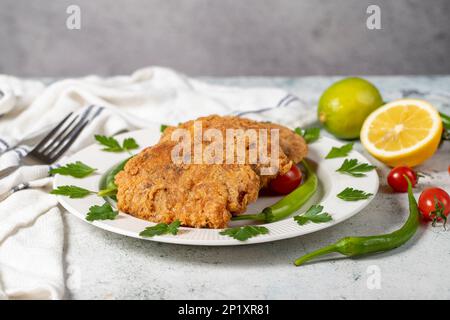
7 171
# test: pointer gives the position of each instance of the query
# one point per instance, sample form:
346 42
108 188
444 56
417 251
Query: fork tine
54 142
67 141
51 133
57 143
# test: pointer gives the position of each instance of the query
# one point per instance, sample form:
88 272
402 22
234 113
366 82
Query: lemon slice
404 132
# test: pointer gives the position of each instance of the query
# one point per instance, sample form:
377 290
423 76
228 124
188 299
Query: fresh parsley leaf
104 212
163 127
130 144
160 229
445 120
73 192
343 151
173 227
355 169
112 145
350 194
77 169
309 134
244 233
313 214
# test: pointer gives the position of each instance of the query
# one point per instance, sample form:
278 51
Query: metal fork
57 141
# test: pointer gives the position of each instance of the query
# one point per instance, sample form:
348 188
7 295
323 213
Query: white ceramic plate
330 184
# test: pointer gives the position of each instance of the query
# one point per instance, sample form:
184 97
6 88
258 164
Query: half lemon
404 132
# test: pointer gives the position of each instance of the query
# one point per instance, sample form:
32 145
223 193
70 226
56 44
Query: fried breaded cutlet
155 188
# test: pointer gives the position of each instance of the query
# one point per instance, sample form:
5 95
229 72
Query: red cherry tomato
286 183
428 200
397 180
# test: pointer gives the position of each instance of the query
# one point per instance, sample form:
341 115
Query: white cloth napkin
31 228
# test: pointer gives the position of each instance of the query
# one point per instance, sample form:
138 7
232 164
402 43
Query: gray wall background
225 37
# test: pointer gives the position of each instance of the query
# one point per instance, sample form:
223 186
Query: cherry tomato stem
434 204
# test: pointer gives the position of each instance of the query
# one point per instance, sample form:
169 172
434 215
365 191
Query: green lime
345 105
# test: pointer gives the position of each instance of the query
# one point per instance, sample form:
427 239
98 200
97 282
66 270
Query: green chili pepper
445 120
356 246
109 187
290 203
446 123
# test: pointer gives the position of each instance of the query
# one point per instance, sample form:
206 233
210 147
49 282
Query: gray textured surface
103 265
225 38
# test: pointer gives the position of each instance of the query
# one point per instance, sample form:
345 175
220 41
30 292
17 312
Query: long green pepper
290 203
357 246
109 187
445 120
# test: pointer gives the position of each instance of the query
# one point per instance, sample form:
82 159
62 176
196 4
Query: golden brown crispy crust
292 144
154 188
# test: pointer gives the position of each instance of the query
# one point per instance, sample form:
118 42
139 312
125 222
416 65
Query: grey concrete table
103 265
